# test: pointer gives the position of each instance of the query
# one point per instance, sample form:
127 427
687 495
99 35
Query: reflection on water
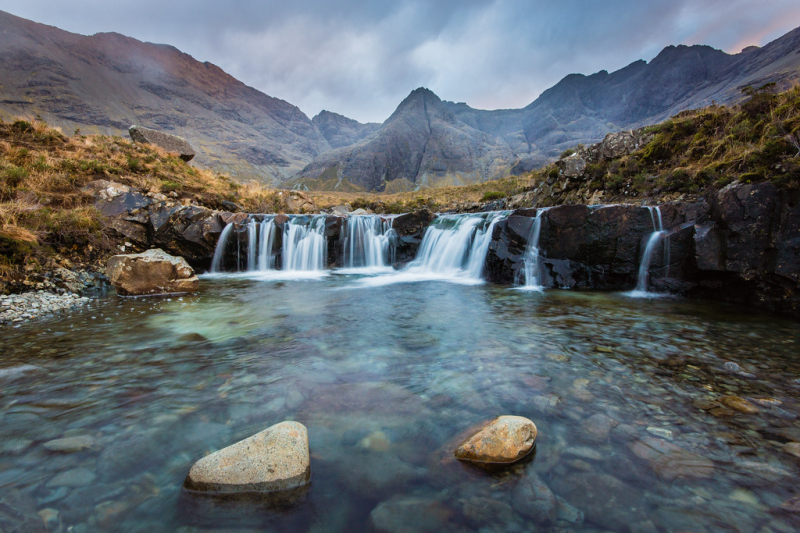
653 414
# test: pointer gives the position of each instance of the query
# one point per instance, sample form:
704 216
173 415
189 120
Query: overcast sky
362 57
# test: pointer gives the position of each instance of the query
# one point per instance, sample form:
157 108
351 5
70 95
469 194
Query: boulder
506 439
274 460
298 202
170 143
151 272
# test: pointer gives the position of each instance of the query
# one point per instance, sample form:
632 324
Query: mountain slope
582 109
106 82
421 145
341 131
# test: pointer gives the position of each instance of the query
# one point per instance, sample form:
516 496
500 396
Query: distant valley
106 82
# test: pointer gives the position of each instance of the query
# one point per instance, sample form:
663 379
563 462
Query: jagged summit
421 144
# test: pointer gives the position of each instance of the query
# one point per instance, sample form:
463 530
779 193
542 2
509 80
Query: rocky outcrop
739 244
421 144
170 143
151 272
506 439
274 460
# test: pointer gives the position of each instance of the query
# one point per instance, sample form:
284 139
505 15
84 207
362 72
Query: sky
360 58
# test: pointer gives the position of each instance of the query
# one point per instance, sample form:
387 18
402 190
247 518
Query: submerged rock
151 272
506 439
276 459
670 461
534 499
407 513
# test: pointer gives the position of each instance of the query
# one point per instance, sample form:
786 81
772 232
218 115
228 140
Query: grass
43 209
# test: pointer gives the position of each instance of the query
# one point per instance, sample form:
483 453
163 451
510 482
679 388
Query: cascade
219 251
252 241
652 241
304 244
456 245
366 242
531 268
266 243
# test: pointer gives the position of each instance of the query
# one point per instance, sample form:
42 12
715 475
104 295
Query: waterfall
252 241
658 232
531 267
304 244
266 244
219 251
366 242
456 245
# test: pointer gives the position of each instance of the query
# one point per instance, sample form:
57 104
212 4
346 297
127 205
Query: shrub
488 196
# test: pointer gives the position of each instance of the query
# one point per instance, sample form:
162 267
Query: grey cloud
361 57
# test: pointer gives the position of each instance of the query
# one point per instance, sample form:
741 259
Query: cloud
361 57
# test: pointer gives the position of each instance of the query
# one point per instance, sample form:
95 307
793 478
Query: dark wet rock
406 514
276 459
167 141
114 199
190 232
670 461
534 499
506 439
151 272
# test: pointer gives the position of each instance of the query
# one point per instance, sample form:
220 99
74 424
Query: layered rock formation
741 244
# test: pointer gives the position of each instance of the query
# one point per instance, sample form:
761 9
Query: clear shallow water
387 378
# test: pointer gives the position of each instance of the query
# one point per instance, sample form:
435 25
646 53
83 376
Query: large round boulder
151 272
506 439
276 459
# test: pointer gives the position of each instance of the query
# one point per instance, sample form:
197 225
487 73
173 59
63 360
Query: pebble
18 308
660 432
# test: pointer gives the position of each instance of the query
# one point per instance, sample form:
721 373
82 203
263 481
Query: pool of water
653 414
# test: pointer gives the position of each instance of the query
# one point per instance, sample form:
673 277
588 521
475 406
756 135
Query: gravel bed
18 308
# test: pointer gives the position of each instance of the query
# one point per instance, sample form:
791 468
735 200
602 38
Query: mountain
582 109
422 144
341 131
106 82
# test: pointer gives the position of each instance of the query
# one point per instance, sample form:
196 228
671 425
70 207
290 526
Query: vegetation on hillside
44 209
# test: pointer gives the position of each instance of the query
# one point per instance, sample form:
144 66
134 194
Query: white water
252 241
453 249
366 243
643 279
266 245
219 251
531 268
305 247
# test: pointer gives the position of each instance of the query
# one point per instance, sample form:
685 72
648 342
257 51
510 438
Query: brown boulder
506 439
151 272
276 459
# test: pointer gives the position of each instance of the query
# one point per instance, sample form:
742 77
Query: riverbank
18 308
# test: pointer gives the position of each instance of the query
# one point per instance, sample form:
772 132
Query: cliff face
582 109
421 145
107 82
